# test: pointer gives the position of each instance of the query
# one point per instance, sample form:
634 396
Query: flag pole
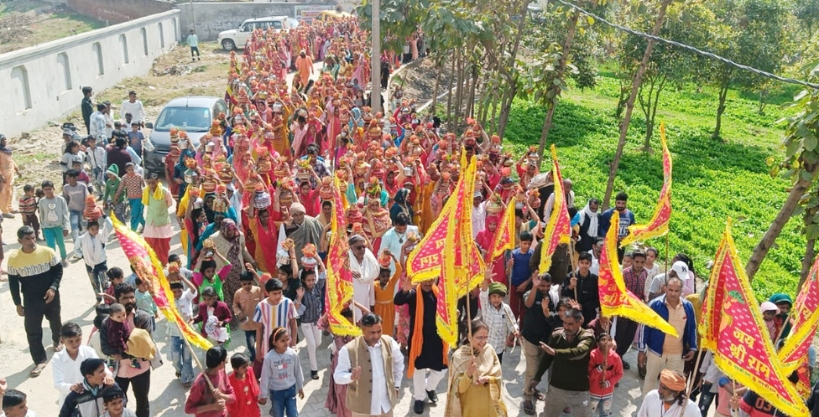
193 353
667 250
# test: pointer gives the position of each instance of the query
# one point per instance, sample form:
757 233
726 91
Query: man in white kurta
364 269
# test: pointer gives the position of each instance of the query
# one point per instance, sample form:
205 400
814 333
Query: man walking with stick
372 364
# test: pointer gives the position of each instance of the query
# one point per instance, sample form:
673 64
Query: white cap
768 306
681 269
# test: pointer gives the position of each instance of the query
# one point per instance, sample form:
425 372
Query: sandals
528 407
37 370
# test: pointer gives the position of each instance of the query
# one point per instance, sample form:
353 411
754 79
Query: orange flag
339 280
615 298
149 269
804 319
447 307
504 235
736 334
658 226
559 228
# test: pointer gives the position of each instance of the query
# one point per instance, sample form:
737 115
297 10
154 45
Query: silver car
191 114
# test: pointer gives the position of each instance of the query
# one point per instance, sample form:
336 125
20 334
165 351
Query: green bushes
713 179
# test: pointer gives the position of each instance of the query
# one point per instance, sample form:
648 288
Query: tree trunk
449 92
507 108
807 262
723 94
475 79
439 70
761 250
652 115
561 67
635 87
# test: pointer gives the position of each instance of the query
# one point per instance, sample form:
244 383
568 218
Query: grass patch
713 179
25 24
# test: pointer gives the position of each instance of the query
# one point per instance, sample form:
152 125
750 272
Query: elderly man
364 269
659 351
372 364
427 352
669 399
303 229
158 230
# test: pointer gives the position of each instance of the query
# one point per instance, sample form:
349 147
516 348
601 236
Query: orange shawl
418 333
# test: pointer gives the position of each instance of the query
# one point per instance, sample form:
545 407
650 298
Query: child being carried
134 342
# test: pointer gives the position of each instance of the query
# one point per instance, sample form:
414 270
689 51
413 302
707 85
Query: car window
276 24
247 27
219 107
191 119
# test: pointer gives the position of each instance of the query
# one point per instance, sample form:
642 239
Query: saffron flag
446 319
558 231
149 269
742 348
425 262
504 235
658 225
615 298
339 280
805 318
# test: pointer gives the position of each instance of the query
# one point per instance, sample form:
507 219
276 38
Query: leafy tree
807 13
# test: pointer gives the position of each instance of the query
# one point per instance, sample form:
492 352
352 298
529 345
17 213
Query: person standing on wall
87 108
193 42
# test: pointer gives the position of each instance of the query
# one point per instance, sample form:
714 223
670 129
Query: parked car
192 114
237 38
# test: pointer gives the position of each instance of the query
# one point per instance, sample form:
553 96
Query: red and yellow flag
339 280
504 235
804 320
658 225
447 307
558 231
149 269
615 298
742 348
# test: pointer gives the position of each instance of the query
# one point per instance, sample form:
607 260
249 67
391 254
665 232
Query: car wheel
228 45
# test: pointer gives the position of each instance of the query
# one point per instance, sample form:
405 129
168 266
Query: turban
497 288
297 208
672 380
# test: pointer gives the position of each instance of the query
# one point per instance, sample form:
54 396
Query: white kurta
363 287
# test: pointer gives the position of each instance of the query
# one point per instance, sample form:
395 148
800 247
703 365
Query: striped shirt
501 322
28 205
313 300
133 185
634 282
33 274
272 316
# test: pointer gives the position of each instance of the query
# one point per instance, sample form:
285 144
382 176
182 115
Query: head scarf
592 216
297 208
672 380
227 228
4 148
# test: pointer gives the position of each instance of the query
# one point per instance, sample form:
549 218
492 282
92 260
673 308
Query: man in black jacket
139 376
87 108
583 288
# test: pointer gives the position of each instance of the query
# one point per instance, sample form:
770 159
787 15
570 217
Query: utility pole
375 58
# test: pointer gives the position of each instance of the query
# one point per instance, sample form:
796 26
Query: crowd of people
253 202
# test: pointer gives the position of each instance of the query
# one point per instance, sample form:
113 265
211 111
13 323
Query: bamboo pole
193 354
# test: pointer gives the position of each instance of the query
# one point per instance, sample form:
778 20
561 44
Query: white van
237 38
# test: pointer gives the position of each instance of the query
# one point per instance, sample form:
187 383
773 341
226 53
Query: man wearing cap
373 366
681 268
133 107
659 351
158 230
303 229
364 269
669 399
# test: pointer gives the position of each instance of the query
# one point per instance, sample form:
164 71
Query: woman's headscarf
400 205
355 119
230 233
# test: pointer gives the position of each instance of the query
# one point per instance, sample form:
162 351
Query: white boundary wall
42 83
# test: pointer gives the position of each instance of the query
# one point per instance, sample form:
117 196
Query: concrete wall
212 18
118 11
45 80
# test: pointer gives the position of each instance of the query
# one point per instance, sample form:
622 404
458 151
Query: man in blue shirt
519 273
626 220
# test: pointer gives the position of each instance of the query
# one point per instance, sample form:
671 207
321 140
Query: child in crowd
72 151
82 176
135 342
135 138
204 401
206 276
180 354
114 400
179 271
244 384
385 289
628 258
74 193
273 312
65 364
214 316
92 246
28 208
727 389
113 200
309 300
520 275
54 219
15 404
769 312
102 311
115 277
144 300
287 275
497 314
97 159
605 371
281 376
245 300
132 184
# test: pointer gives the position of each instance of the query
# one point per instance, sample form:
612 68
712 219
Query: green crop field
713 179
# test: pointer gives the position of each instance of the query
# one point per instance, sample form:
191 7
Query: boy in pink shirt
605 371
